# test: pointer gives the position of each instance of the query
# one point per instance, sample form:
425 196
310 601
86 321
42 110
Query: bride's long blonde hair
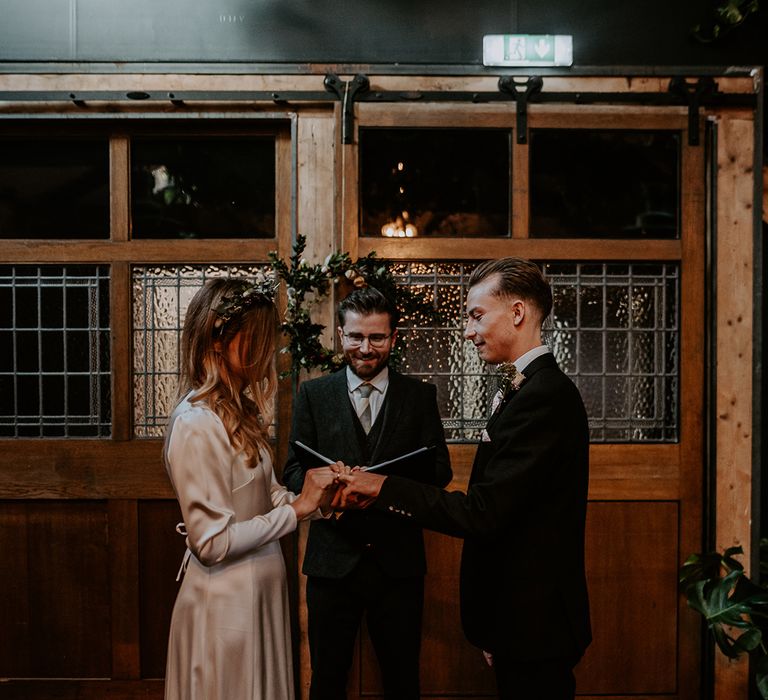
244 407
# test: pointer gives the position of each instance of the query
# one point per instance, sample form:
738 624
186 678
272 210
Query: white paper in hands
373 467
314 453
407 455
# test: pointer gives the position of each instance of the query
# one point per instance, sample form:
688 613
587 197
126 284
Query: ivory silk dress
230 630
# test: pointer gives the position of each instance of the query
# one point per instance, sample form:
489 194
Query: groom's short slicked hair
517 277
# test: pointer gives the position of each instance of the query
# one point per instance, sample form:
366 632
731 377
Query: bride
230 629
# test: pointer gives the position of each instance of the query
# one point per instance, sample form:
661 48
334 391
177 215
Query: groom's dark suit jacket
523 585
324 419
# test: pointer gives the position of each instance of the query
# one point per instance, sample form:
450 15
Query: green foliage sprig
308 284
726 16
734 608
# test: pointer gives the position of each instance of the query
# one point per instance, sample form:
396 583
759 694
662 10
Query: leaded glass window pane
54 351
161 295
604 184
435 182
54 188
203 187
614 330
439 354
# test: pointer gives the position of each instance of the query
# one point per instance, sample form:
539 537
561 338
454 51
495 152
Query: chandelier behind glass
400 226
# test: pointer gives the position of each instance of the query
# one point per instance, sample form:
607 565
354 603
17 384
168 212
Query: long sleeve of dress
199 462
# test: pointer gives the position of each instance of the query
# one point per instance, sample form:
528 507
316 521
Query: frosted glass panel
438 352
613 330
160 299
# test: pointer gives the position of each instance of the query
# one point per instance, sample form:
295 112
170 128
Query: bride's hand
319 487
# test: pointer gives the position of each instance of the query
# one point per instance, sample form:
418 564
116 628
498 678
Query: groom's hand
360 489
325 480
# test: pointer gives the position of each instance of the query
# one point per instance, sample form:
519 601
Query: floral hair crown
263 289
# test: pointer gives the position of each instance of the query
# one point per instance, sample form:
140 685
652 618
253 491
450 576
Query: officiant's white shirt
380 383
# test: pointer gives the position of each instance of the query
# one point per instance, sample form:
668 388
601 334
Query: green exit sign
527 50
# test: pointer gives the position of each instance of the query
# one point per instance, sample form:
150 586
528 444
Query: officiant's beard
367 365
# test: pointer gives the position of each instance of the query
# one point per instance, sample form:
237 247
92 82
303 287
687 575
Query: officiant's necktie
365 406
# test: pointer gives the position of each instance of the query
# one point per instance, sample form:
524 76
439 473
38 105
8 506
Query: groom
523 586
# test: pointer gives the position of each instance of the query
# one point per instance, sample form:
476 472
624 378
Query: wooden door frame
738 328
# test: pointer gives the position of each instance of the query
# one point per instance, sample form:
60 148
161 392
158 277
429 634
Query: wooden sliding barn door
627 267
107 229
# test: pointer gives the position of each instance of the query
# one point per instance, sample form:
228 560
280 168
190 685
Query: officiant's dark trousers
393 610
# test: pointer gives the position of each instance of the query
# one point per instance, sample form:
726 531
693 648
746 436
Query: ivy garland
726 16
307 285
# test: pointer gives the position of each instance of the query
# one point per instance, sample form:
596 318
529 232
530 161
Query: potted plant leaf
734 607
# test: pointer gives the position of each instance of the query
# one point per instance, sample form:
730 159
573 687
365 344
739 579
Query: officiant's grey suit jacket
523 583
324 419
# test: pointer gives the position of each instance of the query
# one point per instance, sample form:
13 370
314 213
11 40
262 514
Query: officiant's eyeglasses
375 340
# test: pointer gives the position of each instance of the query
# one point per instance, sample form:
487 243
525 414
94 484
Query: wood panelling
519 195
316 204
55 594
145 251
15 570
119 188
124 583
121 349
161 550
286 227
607 117
533 248
692 383
82 469
550 116
302 637
413 116
81 690
734 374
632 560
102 469
616 472
348 185
407 80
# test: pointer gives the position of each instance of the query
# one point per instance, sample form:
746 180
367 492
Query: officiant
364 563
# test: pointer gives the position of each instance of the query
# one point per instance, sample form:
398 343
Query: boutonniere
511 379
